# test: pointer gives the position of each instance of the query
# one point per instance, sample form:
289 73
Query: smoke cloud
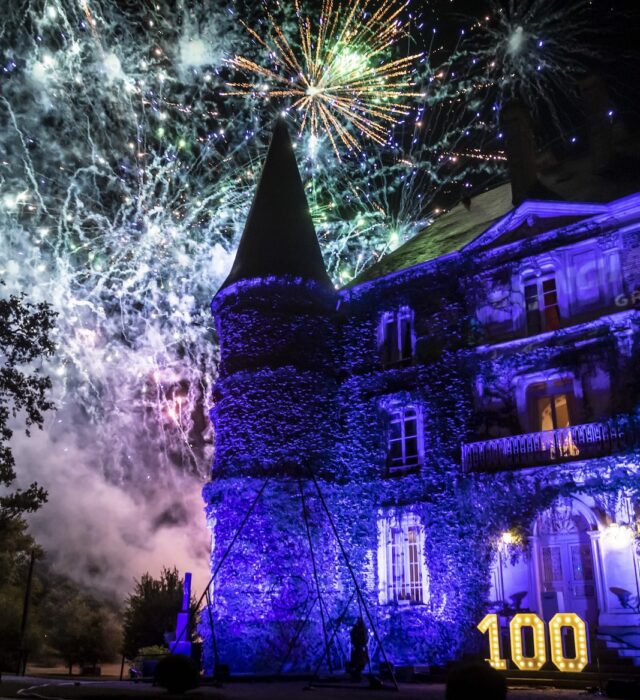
102 534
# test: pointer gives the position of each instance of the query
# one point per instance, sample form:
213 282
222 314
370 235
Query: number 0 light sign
558 623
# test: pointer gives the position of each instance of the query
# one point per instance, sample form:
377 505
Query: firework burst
339 75
529 50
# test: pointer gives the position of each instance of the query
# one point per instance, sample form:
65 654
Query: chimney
598 106
521 152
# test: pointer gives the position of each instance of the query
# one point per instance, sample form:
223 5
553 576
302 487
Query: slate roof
279 238
447 234
571 180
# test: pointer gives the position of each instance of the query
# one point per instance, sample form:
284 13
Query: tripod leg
305 516
225 554
334 633
363 602
296 636
216 659
338 643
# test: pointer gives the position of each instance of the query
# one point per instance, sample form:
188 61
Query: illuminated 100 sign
558 623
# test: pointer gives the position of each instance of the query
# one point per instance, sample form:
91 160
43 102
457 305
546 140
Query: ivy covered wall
302 405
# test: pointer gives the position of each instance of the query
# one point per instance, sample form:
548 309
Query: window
553 412
541 305
550 404
403 448
402 570
395 337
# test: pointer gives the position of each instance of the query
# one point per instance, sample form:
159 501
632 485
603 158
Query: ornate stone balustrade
549 447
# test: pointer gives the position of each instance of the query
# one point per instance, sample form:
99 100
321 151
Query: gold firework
340 73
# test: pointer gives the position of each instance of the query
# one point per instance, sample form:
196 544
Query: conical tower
279 239
274 417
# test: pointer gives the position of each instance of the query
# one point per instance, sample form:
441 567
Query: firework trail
383 197
119 204
123 186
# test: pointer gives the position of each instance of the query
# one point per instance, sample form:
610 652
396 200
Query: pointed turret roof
279 238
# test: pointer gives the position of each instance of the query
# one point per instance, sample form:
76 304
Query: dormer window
396 338
541 304
404 443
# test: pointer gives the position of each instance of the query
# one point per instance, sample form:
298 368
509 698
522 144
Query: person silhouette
359 654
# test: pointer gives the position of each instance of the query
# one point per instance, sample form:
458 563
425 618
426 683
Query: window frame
550 389
545 319
396 550
524 386
400 415
392 346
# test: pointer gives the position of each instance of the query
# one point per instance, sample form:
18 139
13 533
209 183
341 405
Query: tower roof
279 238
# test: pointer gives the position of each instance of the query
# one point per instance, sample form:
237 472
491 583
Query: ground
12 687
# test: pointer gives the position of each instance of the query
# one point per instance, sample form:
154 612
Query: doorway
566 570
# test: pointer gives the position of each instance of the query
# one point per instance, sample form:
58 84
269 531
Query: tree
151 611
86 633
16 546
25 337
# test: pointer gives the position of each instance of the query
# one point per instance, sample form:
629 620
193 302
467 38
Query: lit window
404 439
402 570
553 412
541 305
551 404
395 337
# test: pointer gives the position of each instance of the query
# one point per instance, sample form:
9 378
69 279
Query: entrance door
566 562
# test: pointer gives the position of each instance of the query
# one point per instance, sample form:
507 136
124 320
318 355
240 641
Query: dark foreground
12 687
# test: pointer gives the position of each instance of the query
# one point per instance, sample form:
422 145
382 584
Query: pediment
533 218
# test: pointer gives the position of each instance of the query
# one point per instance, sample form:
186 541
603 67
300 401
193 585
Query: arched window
402 571
404 441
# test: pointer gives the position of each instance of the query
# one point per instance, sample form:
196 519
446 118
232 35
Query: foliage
85 633
176 673
11 604
11 600
63 620
153 650
16 546
150 611
25 337
80 629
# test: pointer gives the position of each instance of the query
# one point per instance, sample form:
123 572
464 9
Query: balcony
549 447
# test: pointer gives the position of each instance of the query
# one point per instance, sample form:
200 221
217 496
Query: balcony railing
549 446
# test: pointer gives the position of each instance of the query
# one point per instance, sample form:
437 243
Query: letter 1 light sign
557 624
490 623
